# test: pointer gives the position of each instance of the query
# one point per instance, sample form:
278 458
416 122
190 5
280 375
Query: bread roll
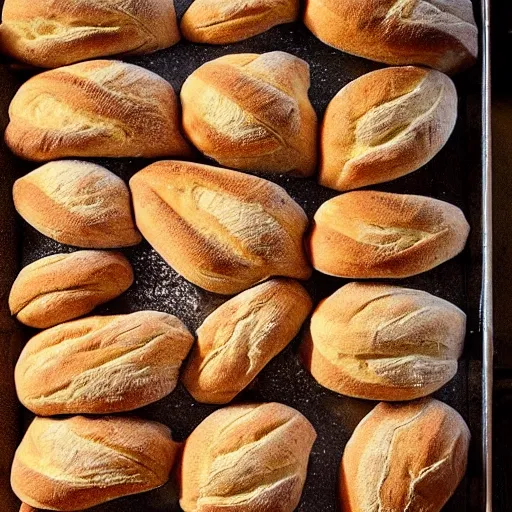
439 34
384 125
382 342
102 364
229 21
222 230
101 108
77 203
53 33
252 112
79 462
404 457
61 287
368 234
246 458
238 339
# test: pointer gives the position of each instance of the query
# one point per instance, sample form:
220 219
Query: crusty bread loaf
98 108
61 287
385 124
368 234
246 458
78 462
53 33
436 33
229 21
102 364
222 230
404 457
382 342
252 112
77 203
238 339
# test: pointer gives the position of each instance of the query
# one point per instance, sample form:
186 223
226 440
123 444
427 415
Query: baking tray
458 174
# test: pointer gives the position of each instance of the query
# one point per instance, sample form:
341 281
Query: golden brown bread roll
61 287
246 458
77 203
229 21
404 457
238 339
222 230
79 462
384 125
382 342
252 112
102 364
98 108
53 33
368 234
440 34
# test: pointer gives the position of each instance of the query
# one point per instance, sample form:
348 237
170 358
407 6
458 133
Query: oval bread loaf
77 203
222 230
79 462
382 342
439 34
100 108
102 364
53 33
368 234
384 125
61 287
252 112
238 339
401 457
229 21
246 458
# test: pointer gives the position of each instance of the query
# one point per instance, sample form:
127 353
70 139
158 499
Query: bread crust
408 456
78 462
102 364
239 338
61 287
434 33
368 234
54 33
384 125
77 203
382 342
100 108
229 21
252 112
246 458
220 229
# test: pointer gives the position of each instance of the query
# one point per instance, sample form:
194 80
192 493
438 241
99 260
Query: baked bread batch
241 237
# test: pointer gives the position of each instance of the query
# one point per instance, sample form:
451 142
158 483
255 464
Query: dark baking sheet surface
454 175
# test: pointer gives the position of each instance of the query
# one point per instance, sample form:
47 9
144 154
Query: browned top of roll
246 458
229 21
53 33
102 364
369 234
436 33
222 230
404 457
240 337
77 203
97 108
252 112
384 125
79 462
61 287
383 342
